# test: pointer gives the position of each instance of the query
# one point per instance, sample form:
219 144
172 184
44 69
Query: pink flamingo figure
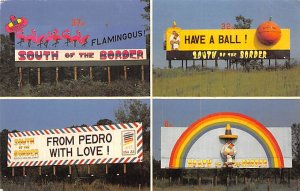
20 35
83 40
56 37
48 39
31 38
66 35
39 40
76 38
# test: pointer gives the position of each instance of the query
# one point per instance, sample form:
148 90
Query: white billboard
226 140
120 143
80 55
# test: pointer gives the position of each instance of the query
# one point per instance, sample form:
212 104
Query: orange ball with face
268 33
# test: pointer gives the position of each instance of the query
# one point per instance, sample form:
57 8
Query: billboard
80 55
226 140
94 36
101 144
214 44
51 44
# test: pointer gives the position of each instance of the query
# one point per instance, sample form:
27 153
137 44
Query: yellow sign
218 39
241 163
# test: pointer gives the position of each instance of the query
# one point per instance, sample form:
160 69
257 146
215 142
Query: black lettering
211 41
108 138
187 39
112 39
81 138
93 42
48 140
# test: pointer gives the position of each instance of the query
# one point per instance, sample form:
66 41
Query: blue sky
209 14
102 17
32 114
182 113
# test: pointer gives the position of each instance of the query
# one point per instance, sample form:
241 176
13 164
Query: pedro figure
228 151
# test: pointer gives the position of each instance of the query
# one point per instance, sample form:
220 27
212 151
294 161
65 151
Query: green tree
105 122
136 111
146 15
242 22
8 74
296 147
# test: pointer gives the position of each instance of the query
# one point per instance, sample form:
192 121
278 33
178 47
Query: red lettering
111 54
122 55
22 55
37 55
103 55
140 54
46 54
132 54
118 54
125 54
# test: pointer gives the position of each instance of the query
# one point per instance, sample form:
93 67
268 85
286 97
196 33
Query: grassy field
251 186
55 186
178 82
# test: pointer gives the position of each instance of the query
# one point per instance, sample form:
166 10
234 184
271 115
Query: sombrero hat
15 24
228 134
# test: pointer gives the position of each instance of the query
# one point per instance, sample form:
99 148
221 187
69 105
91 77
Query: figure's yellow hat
174 24
228 134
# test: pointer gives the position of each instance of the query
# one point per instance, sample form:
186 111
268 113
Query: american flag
128 137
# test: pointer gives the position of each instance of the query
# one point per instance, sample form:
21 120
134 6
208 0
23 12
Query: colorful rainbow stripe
219 120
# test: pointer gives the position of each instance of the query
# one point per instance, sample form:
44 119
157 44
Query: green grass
250 186
55 186
178 82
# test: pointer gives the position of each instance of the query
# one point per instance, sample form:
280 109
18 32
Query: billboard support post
56 74
39 75
143 73
70 169
91 72
124 168
106 169
20 77
89 169
289 177
54 170
13 172
108 74
40 170
24 171
75 73
125 73
170 64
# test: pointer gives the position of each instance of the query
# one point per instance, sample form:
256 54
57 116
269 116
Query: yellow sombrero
228 134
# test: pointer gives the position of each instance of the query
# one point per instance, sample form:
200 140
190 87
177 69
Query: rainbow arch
218 120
